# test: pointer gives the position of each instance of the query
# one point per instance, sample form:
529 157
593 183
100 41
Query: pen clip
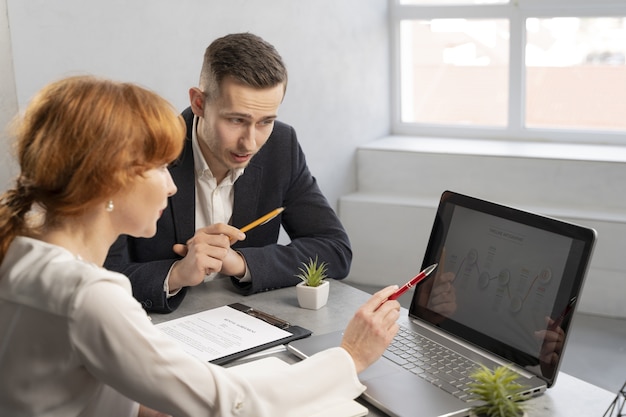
268 318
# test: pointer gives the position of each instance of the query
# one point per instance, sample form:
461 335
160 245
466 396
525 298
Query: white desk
570 396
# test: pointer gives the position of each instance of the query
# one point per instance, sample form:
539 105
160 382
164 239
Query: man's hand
206 252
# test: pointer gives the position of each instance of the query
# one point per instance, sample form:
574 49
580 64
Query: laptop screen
507 280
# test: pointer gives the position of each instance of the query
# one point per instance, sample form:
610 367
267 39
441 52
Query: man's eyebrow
238 115
248 116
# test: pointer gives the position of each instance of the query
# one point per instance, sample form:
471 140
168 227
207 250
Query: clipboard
297 332
222 335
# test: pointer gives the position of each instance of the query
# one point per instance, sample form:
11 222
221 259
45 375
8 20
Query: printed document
219 332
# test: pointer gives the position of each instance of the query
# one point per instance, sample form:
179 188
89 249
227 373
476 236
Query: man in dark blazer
256 165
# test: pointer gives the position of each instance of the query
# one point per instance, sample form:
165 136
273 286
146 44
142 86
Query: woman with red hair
73 341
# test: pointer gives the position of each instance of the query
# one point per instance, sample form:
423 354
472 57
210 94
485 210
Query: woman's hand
372 328
149 412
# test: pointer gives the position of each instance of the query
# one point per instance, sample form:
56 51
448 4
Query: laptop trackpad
405 394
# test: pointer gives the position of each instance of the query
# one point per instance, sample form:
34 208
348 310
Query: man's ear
196 98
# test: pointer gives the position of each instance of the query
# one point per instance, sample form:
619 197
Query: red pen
568 309
416 279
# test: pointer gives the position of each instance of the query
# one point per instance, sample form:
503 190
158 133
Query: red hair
82 139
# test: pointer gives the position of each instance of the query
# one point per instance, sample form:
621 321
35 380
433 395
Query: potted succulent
498 391
312 292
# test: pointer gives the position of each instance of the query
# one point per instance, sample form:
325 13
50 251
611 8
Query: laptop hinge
494 358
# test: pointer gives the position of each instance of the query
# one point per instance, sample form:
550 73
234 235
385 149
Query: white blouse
74 342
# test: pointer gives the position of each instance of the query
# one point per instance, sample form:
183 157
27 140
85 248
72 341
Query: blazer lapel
247 190
184 201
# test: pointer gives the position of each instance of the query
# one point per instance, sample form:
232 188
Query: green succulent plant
313 272
499 392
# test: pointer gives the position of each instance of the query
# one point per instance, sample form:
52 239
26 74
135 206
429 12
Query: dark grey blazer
277 176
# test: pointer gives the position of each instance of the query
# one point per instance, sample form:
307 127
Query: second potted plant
498 391
312 292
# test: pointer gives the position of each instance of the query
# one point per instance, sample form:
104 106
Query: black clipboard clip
268 318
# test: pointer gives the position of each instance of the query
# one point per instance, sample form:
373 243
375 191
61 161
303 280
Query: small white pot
312 298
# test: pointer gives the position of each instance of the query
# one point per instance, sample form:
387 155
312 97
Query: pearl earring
110 206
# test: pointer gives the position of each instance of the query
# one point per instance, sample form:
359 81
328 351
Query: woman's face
139 206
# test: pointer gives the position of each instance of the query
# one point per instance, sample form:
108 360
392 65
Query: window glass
576 73
454 71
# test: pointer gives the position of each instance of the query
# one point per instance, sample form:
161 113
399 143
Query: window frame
516 11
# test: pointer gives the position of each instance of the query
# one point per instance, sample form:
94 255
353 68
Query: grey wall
8 99
575 183
336 51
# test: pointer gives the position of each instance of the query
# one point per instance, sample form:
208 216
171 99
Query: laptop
506 279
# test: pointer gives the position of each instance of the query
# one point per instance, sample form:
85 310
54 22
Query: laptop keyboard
433 362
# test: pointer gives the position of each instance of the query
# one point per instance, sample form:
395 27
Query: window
525 69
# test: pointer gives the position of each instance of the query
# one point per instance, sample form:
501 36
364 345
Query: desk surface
569 397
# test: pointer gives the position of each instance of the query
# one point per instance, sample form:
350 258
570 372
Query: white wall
336 52
400 180
8 100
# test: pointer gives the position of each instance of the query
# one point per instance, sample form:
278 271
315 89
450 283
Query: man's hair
244 57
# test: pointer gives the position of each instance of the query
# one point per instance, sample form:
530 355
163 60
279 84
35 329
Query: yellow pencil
264 219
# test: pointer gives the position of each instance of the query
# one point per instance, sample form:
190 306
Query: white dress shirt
74 342
214 202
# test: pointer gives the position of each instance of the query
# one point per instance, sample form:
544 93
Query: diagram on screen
507 275
514 288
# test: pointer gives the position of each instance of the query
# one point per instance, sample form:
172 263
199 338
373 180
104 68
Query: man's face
234 126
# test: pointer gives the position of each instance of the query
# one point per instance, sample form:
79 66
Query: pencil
263 219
